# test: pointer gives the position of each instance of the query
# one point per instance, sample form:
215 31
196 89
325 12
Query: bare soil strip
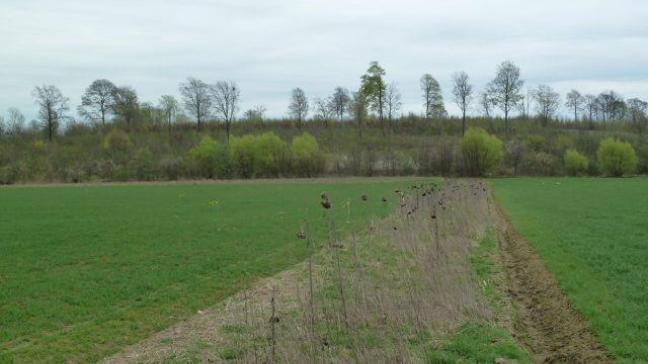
546 322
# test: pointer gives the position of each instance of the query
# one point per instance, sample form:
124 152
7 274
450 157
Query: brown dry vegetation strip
545 321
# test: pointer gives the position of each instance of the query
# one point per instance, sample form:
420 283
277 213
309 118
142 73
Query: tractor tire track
545 320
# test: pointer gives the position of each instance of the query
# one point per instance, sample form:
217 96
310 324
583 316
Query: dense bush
264 155
481 151
205 157
540 164
242 152
575 163
308 160
616 157
271 155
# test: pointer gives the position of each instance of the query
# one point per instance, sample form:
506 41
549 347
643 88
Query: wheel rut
545 320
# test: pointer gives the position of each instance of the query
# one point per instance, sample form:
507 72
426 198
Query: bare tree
324 110
432 97
393 102
195 96
547 102
98 100
506 88
226 96
341 102
15 121
169 106
610 105
298 108
575 102
637 109
52 106
590 105
462 92
126 104
486 103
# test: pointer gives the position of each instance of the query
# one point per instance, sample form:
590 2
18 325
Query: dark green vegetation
87 270
592 234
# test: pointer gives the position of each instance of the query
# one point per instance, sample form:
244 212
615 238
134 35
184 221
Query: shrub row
117 154
265 155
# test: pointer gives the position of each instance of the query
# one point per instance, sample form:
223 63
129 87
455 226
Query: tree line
376 99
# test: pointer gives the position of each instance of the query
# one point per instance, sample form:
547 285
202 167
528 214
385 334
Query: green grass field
85 271
593 235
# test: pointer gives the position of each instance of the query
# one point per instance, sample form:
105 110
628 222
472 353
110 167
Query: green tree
374 89
126 104
432 97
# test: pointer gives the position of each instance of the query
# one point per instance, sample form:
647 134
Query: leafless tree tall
575 102
637 109
52 105
196 98
15 121
547 102
462 91
486 103
432 97
98 100
341 102
506 88
298 108
590 106
324 110
610 105
169 106
393 102
226 96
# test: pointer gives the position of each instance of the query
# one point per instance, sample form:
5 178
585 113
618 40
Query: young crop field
87 270
593 235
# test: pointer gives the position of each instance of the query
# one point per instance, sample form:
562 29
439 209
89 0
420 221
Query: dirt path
545 320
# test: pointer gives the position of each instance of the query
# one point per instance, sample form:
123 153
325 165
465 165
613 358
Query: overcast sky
272 46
